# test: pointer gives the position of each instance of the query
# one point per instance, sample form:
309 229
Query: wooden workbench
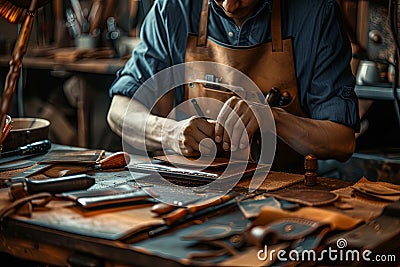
62 235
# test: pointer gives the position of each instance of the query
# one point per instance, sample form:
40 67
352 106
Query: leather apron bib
268 65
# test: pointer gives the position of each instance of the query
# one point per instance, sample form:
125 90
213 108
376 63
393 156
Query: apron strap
202 36
276 27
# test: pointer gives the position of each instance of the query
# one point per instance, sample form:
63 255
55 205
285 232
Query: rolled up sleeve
331 96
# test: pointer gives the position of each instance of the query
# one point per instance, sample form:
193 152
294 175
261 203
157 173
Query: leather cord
44 198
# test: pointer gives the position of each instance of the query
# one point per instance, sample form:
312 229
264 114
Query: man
327 106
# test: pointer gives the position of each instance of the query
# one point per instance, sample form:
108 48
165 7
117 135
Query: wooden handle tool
181 213
114 161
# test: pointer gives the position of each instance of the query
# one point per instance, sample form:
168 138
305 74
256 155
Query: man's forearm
325 139
132 120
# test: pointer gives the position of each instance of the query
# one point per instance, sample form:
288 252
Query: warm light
14 11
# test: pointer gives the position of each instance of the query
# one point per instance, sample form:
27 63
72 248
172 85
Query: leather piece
249 257
380 235
381 191
213 232
194 252
336 220
288 229
252 207
308 197
274 181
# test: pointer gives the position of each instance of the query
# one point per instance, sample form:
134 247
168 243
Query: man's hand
191 137
236 124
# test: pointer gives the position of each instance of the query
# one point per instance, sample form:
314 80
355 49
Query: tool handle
176 215
35 148
60 185
115 161
181 213
162 208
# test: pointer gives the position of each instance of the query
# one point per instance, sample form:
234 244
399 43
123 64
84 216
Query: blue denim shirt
321 49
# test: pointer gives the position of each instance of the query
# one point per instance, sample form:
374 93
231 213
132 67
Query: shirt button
230 34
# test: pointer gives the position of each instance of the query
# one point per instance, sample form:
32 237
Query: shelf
376 92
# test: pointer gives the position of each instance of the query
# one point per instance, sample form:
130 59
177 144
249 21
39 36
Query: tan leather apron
268 65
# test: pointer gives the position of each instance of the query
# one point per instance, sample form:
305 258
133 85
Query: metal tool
172 170
197 108
113 34
23 186
72 24
30 149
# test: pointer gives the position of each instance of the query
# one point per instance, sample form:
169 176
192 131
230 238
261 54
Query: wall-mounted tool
113 34
72 24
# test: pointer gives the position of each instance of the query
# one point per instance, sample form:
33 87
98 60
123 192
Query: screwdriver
30 149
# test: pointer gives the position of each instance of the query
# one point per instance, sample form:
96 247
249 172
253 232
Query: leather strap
276 27
202 36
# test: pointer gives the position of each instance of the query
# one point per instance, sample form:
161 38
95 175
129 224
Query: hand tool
172 170
76 6
197 108
181 213
94 17
7 129
164 208
30 149
72 24
53 186
114 161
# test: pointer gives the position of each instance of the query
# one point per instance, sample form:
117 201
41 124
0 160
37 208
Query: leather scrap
307 197
335 219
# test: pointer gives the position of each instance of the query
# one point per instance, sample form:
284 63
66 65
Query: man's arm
323 138
148 131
